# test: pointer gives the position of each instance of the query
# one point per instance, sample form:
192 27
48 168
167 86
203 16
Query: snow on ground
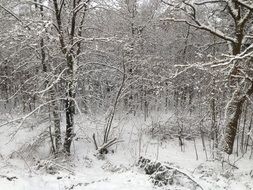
34 169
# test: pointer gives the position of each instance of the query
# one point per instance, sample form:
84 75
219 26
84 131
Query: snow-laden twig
246 4
40 4
52 84
11 13
210 2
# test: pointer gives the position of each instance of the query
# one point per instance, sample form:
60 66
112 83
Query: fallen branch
9 178
232 165
185 174
164 173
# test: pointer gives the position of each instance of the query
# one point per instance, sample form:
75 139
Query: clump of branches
103 149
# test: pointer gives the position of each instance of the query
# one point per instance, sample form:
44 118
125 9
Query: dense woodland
192 59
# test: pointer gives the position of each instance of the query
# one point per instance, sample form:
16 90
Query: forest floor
25 162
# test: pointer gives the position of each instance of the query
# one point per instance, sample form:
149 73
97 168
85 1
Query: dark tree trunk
69 105
71 58
235 105
234 112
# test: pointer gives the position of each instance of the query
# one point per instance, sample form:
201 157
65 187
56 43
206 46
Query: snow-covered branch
209 29
245 3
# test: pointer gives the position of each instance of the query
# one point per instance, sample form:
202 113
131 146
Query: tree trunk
57 122
234 109
233 113
243 128
249 130
70 105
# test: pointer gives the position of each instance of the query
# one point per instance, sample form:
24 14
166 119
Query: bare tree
69 44
239 16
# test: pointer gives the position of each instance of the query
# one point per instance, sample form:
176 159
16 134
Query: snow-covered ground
27 165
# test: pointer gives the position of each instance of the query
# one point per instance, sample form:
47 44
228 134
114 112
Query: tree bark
233 113
70 104
235 105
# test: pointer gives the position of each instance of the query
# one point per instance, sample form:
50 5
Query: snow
103 181
82 170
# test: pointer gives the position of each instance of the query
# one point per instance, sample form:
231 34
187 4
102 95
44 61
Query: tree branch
203 27
245 4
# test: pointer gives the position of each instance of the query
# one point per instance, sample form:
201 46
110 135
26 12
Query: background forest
103 77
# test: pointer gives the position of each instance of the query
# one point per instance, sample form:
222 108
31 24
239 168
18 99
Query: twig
95 142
